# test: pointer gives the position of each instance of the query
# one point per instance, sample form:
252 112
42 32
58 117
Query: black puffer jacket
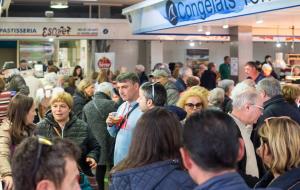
18 84
75 130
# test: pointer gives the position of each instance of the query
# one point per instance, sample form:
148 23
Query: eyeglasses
191 105
41 142
259 107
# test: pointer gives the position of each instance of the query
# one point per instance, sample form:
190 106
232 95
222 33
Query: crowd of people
180 127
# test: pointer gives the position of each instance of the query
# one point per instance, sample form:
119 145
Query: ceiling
118 2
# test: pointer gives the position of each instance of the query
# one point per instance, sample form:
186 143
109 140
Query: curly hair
198 92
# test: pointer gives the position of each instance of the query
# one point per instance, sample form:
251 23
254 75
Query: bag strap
133 108
57 132
126 116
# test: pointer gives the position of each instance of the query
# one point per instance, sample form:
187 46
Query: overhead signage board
49 30
153 15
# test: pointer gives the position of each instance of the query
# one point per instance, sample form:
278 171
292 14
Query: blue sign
153 15
180 11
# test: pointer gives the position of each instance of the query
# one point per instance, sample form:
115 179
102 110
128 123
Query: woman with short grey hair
216 99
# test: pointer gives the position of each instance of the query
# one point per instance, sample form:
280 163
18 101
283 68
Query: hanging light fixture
225 24
259 20
192 43
200 28
208 31
59 4
278 44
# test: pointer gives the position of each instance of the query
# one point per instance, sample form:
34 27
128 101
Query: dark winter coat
96 119
79 102
164 175
275 107
229 181
180 84
227 104
75 130
18 84
143 78
288 181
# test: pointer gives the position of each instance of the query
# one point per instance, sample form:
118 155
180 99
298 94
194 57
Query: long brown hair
103 75
157 137
17 112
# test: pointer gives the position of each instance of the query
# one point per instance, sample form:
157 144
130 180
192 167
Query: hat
160 73
8 65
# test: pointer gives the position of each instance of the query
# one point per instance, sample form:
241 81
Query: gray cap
160 73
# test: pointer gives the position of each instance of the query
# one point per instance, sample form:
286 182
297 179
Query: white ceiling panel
123 2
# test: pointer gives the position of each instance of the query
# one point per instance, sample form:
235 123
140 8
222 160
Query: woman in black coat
83 95
61 122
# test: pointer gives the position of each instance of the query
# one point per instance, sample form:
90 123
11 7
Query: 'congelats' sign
155 15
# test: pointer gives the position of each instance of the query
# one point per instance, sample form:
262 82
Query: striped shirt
5 98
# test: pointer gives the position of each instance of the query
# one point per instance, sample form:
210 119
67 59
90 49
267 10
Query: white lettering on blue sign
154 15
179 11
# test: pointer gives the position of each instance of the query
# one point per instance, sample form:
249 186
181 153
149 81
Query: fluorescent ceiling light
59 4
225 26
200 28
259 20
192 44
207 33
278 45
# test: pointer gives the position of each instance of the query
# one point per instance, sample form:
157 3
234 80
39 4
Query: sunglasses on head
267 120
153 89
42 142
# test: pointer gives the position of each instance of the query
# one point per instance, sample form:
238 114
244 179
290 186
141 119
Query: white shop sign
153 15
48 30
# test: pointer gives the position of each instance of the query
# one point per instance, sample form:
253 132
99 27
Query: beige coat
5 154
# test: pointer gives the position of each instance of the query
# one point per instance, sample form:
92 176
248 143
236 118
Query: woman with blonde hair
83 94
192 100
280 151
61 122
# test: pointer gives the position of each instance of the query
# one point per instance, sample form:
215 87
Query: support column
156 48
241 47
